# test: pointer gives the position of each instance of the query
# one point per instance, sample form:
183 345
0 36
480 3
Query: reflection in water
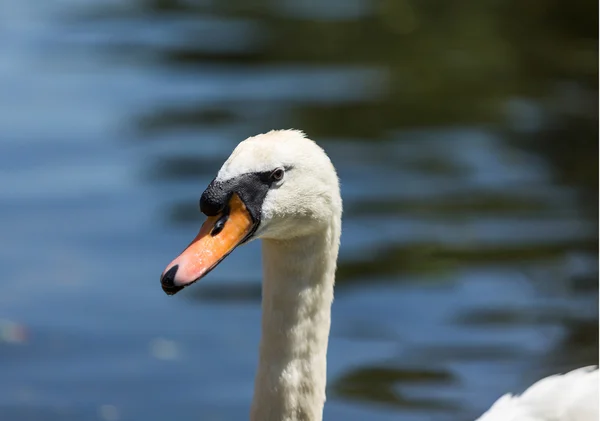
424 258
380 385
466 144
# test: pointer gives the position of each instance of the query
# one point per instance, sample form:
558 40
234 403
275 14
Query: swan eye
277 174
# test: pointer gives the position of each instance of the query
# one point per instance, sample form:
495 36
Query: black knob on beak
214 199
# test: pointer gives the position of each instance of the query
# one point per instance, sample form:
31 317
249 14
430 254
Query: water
469 253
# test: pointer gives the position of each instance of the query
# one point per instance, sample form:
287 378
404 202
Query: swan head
278 186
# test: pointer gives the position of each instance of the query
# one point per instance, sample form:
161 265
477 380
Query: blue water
462 250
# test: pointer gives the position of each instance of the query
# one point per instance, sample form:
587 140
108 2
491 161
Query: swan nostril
219 225
168 281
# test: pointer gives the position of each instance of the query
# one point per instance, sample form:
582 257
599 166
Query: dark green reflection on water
383 385
445 64
437 259
457 206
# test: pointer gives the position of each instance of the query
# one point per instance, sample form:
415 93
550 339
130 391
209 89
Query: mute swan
282 188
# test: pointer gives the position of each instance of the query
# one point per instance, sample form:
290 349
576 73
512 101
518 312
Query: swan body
562 397
282 188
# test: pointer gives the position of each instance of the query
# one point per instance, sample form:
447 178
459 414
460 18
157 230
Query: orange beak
218 236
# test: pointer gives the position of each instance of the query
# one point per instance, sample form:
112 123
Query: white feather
562 397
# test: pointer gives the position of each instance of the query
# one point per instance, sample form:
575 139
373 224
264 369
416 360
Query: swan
281 187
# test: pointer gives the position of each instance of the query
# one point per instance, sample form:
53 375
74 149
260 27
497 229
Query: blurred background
465 134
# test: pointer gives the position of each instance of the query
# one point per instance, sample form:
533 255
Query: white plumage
562 397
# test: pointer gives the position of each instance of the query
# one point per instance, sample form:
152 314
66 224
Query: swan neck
297 293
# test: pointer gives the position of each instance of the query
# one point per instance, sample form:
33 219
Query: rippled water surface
466 142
